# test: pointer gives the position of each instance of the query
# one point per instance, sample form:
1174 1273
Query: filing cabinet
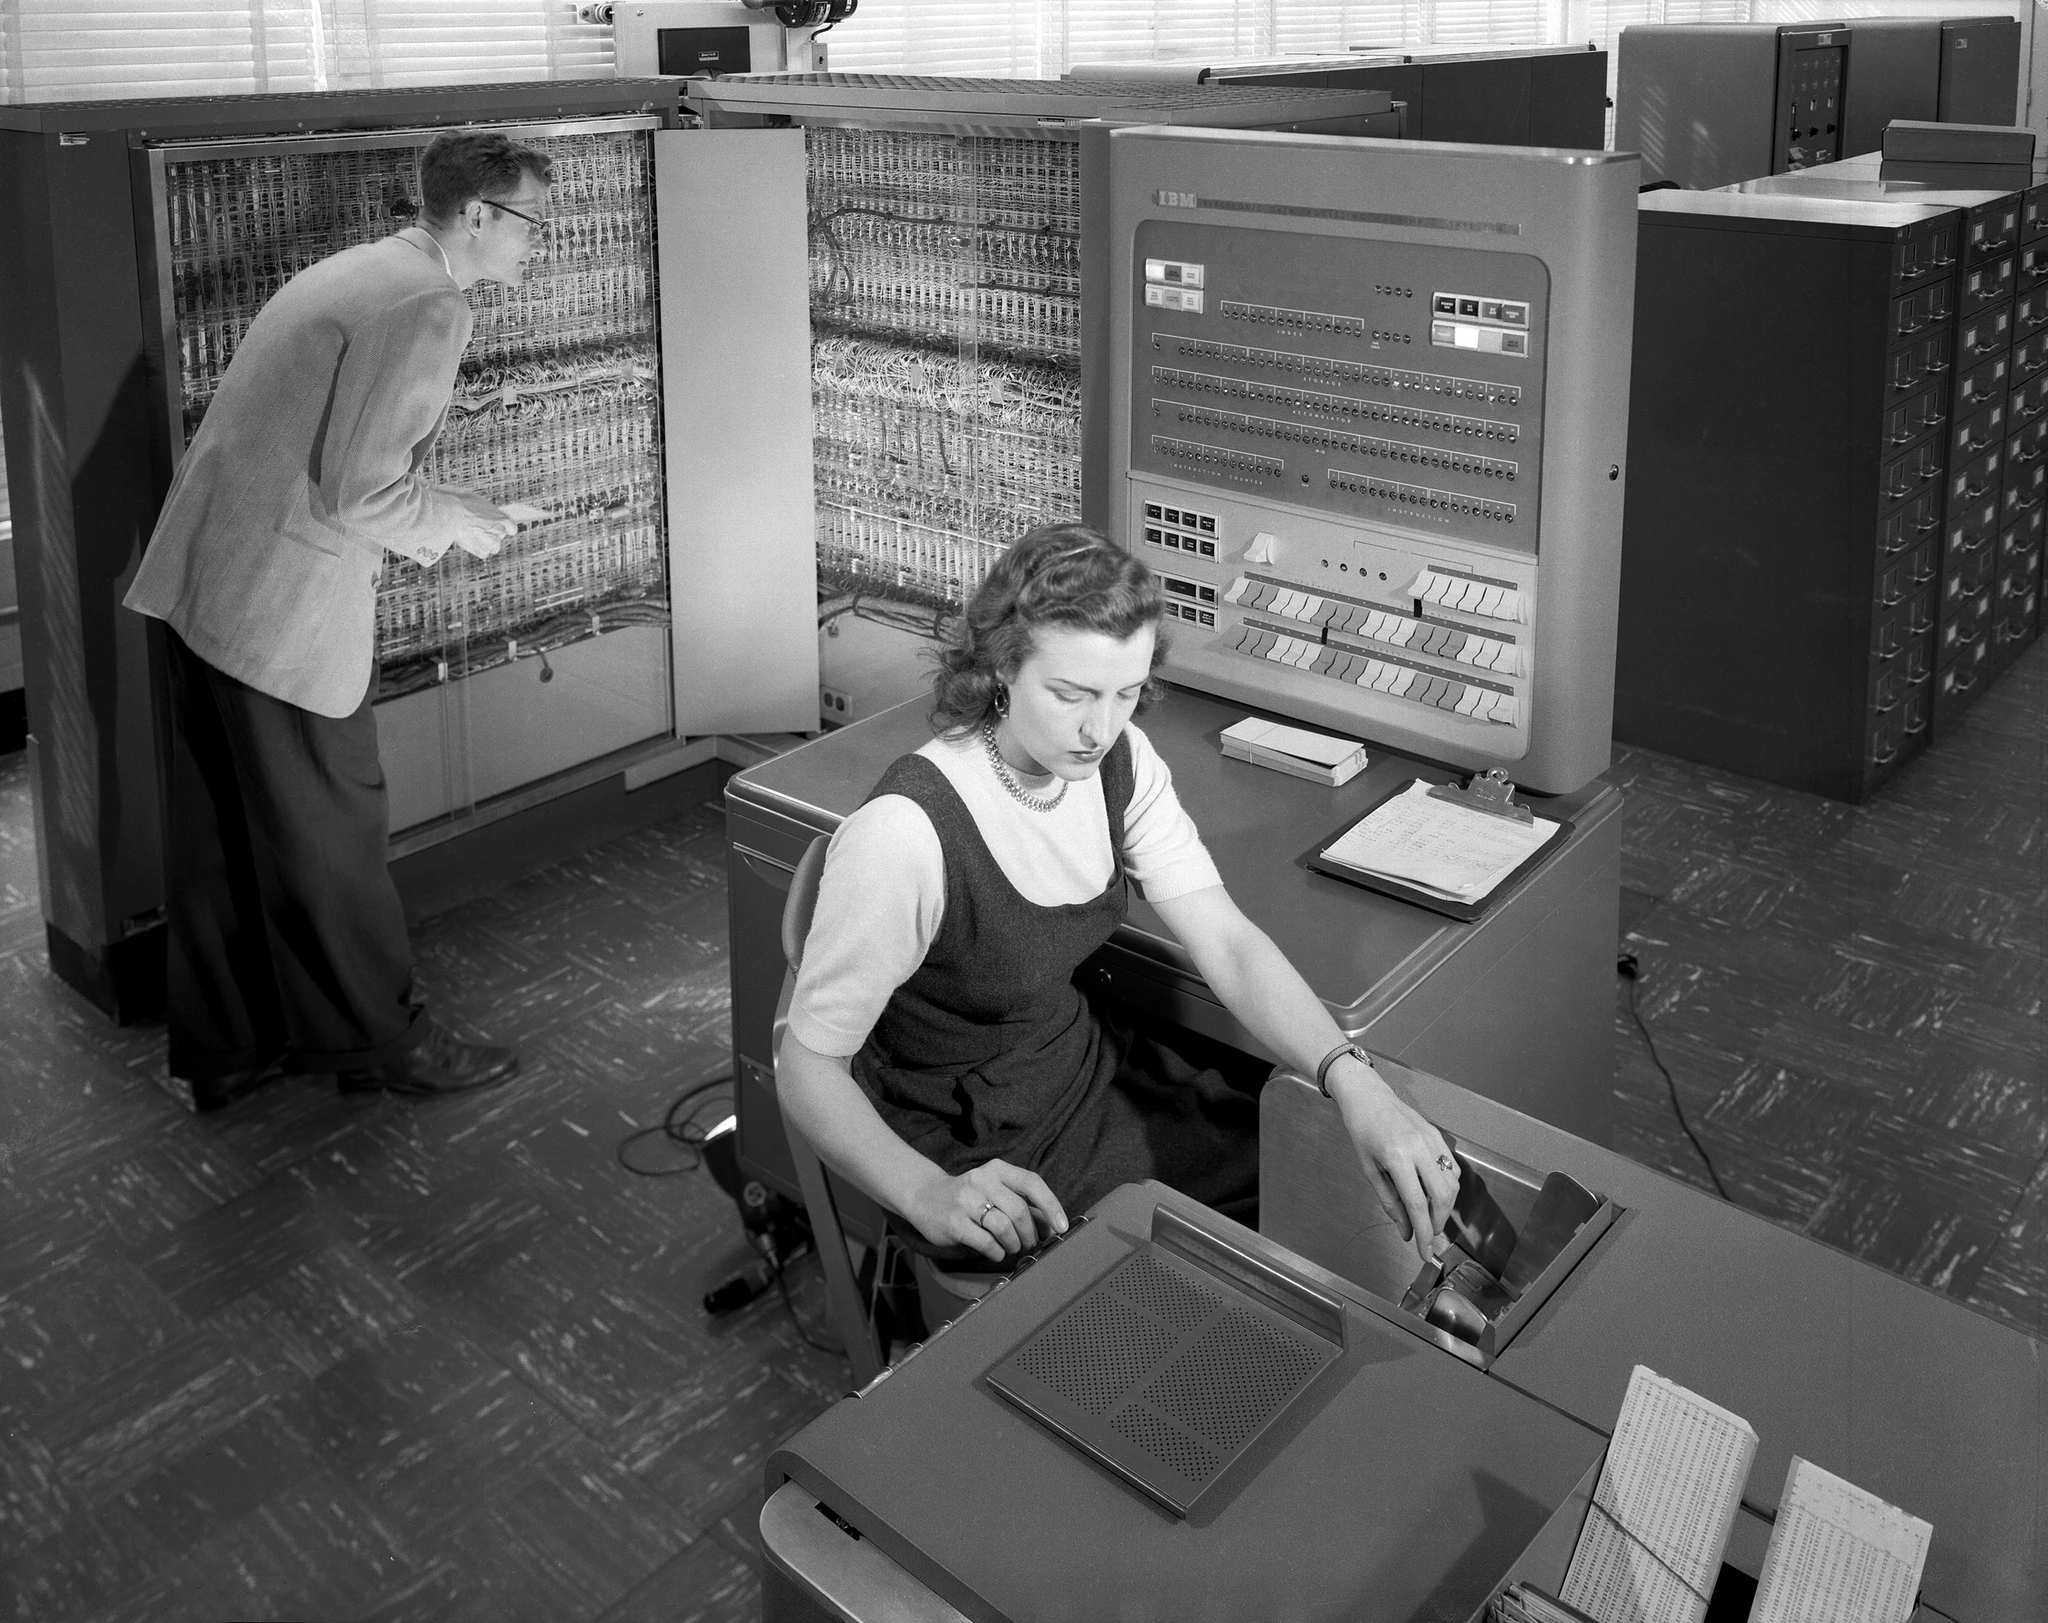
1783 566
2015 596
1985 286
2001 347
1982 430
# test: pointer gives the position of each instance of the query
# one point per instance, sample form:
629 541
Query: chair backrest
803 901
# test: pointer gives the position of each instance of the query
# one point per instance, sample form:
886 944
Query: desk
1903 1392
1403 1485
1518 1004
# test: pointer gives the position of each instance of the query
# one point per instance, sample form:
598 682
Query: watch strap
1331 1058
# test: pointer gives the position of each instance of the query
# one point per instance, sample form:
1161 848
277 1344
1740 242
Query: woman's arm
996 1208
1403 1155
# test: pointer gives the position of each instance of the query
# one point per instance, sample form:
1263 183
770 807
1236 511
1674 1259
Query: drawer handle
1885 757
1929 527
1972 495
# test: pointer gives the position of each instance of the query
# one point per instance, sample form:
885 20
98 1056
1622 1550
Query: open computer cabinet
493 675
637 391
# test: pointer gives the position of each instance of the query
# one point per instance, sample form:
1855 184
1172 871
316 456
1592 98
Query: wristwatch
1331 1058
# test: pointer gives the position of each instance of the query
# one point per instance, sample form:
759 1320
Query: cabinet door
736 354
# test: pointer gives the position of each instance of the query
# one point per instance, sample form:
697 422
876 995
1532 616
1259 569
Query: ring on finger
982 1217
1447 1164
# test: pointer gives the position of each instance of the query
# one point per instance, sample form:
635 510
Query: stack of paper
1839 1555
1651 1548
1433 845
1524 1603
1294 750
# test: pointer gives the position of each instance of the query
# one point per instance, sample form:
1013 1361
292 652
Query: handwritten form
1451 851
1651 1548
1839 1554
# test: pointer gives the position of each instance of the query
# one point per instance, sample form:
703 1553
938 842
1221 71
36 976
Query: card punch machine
1217 1375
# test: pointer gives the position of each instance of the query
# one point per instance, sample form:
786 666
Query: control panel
1346 456
1810 94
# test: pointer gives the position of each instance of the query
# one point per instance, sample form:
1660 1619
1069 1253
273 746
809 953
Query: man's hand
482 527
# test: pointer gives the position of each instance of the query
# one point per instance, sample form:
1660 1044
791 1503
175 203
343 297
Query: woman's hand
995 1208
1406 1160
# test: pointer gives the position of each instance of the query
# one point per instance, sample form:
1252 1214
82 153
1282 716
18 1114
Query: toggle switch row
1428 637
1468 596
1398 680
1382 625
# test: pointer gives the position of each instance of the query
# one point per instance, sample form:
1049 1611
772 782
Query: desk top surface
1906 1393
1402 1485
1359 950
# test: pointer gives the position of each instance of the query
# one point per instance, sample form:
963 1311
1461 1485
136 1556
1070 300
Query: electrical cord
687 1132
778 1273
676 1128
1630 969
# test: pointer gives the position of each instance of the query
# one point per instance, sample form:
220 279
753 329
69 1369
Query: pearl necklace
1008 780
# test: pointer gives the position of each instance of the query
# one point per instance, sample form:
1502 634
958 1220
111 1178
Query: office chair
849 1289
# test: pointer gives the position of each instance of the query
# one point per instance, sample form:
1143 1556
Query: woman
939 1053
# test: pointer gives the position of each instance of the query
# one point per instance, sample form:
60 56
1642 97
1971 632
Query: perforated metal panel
1163 1372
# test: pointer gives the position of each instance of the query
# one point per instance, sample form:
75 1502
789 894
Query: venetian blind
76 50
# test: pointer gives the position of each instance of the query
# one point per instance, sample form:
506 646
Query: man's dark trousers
287 939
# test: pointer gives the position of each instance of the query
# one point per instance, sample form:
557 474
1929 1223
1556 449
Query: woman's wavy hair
1057 575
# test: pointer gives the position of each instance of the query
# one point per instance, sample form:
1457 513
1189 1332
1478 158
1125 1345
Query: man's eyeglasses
538 225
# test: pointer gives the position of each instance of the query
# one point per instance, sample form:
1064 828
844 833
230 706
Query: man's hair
1057 575
460 164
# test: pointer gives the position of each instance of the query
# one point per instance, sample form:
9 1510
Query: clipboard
1486 792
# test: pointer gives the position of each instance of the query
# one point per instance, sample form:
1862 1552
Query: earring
1002 702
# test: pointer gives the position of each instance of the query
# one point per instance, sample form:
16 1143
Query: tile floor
339 1358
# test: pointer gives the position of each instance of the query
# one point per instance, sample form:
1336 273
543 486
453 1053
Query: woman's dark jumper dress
990 1051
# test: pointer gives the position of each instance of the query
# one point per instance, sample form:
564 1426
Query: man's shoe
218 1092
436 1065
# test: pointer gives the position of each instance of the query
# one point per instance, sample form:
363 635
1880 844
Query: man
288 946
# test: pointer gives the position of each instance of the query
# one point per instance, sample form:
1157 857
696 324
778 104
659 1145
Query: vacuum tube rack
557 403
